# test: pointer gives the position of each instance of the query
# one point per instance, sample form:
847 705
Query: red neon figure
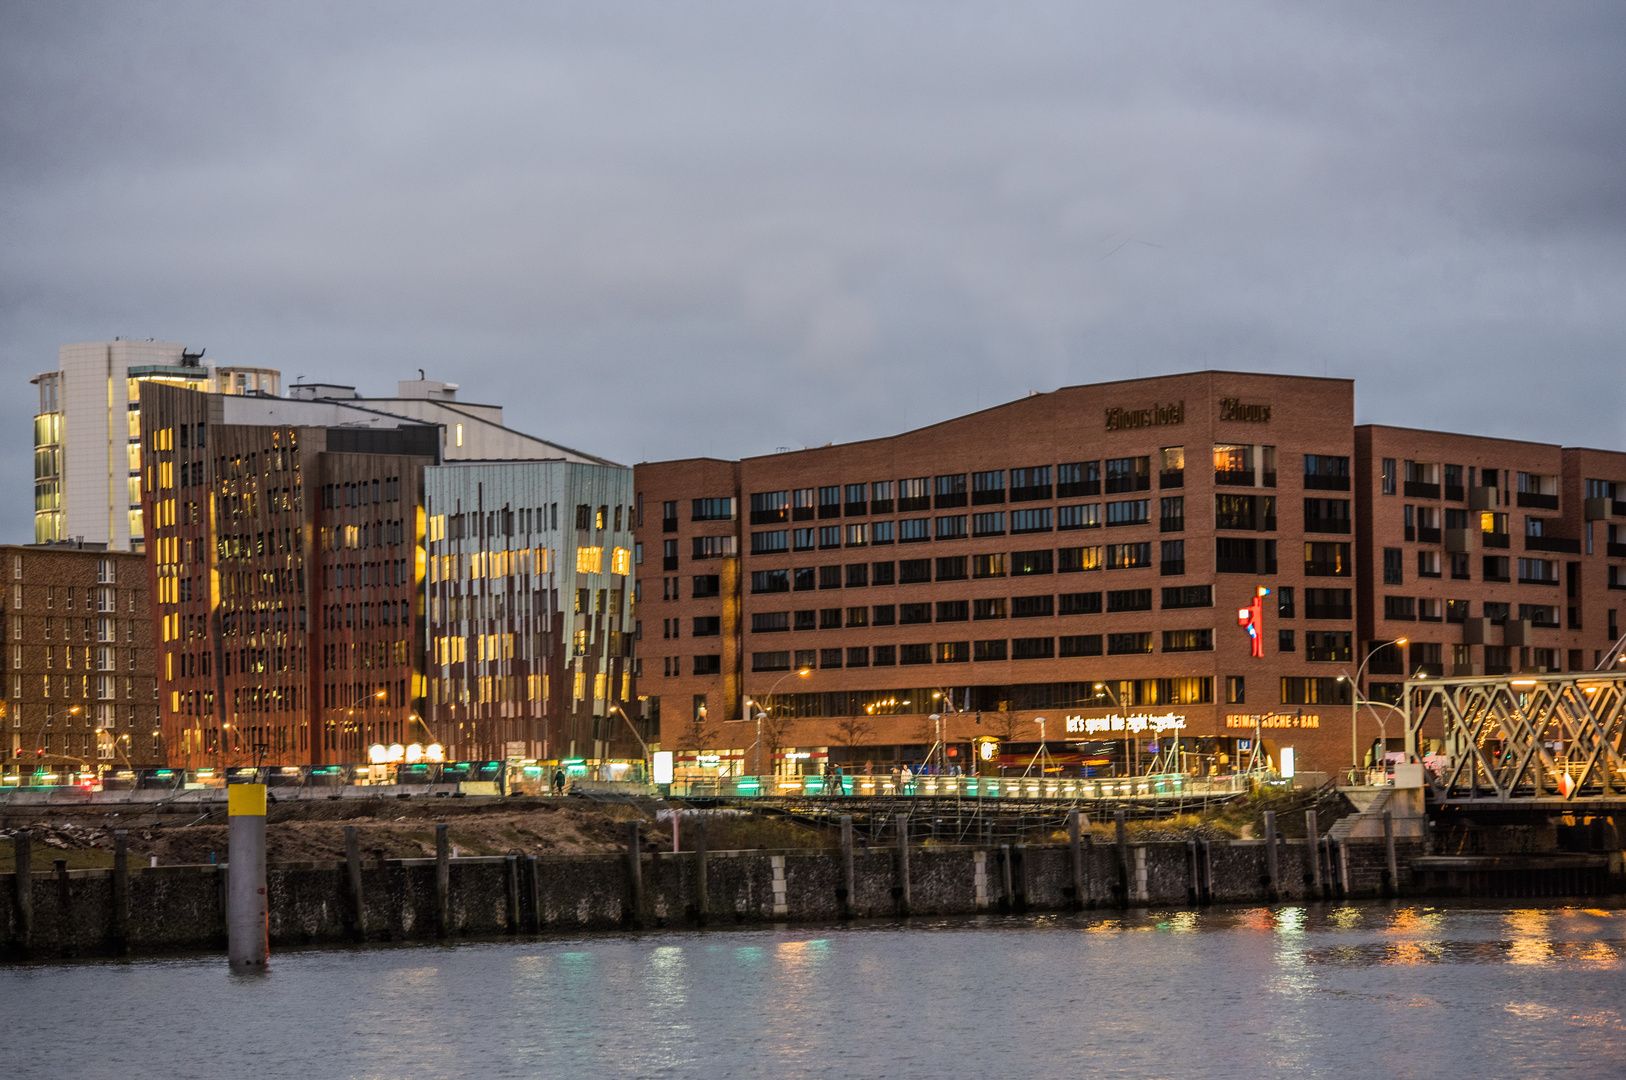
1252 618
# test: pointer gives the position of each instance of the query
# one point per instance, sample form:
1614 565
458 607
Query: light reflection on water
1318 991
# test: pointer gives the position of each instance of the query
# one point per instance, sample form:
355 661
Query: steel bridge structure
1527 742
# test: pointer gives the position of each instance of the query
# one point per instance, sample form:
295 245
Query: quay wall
148 910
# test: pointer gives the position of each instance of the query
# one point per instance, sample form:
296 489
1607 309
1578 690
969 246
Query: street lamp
1355 697
801 673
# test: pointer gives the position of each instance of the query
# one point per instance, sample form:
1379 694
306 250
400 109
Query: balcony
1455 492
1552 543
669 524
1599 509
1458 539
1616 551
1416 489
1535 501
1481 498
1326 525
856 509
1518 632
829 510
1171 478
1476 631
1234 477
1317 482
1496 540
1428 536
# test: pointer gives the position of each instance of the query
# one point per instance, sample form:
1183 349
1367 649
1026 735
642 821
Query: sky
663 229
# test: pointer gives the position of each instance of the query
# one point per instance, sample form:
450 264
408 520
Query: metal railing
1151 786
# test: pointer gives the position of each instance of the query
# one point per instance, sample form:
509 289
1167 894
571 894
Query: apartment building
79 690
529 577
1073 563
1488 556
286 568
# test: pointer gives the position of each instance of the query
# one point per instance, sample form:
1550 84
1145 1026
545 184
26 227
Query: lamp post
1102 688
1354 698
800 673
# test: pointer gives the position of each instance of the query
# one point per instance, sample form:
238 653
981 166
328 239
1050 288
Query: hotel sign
1124 419
1272 720
1134 722
1233 409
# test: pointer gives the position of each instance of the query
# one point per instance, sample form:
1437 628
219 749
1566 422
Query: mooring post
847 873
352 862
1019 877
903 863
700 901
1391 878
1272 881
1007 895
1208 872
1075 851
443 880
512 867
635 875
1194 886
22 847
533 872
121 890
1123 857
248 920
1312 851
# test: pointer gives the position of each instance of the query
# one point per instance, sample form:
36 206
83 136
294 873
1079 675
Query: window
856 507
1032 607
829 577
718 547
1128 644
951 568
707 626
1428 564
1076 560
1079 516
992 608
949 491
766 622
1400 608
1127 512
801 504
1188 641
885 615
914 530
1032 562
804 539
806 578
914 495
669 555
858 656
914 571
1030 485
885 655
1326 473
768 507
1128 474
953 610
829 536
857 535
1314 691
1172 473
1078 478
857 575
1388 476
1081 645
1173 559
857 616
709 664
883 573
1080 603
1328 604
1030 521
1128 556
770 661
1129 600
766 543
880 500
1188 596
1236 690
988 487
807 619
989 650
989 524
916 654
1033 648
882 532
953 652
951 528
770 581
830 618
987 566
709 510
1326 560
1538 572
1326 515
1284 641
830 502
1495 567
1233 464
914 613
1173 516
1327 646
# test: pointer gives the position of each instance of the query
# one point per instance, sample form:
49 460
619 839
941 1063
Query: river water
1324 991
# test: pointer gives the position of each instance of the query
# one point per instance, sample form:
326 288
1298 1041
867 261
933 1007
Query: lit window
460 434
621 561
589 560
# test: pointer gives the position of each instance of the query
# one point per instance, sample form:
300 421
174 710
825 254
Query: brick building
287 570
80 694
1083 557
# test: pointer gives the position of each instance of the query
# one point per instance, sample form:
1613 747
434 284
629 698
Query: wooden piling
512 867
1193 885
1312 851
358 904
1272 879
533 874
1391 873
1075 850
635 876
848 877
903 863
121 891
1123 857
700 896
443 880
22 846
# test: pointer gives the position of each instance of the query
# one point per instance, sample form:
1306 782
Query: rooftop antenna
420 375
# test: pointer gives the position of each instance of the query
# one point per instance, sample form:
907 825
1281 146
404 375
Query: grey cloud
661 229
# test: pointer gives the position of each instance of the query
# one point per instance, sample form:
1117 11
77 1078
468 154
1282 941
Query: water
1382 991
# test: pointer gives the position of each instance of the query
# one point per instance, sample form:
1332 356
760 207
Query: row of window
1433 609
994 649
1494 568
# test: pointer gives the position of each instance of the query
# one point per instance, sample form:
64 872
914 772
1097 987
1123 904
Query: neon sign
1252 619
1133 722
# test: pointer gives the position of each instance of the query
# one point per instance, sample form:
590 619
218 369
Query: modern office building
1195 560
79 690
529 579
87 432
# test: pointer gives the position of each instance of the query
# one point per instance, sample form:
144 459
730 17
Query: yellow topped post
248 921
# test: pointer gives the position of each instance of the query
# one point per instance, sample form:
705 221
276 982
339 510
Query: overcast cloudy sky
671 228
